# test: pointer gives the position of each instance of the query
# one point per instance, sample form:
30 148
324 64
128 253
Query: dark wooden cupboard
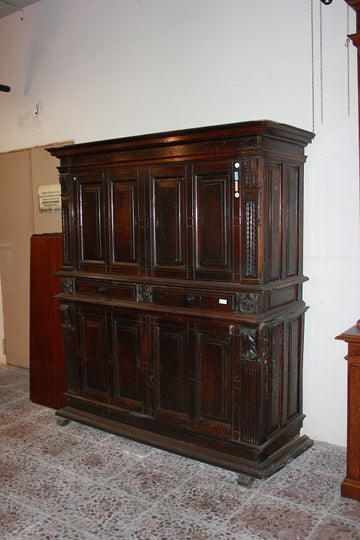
181 296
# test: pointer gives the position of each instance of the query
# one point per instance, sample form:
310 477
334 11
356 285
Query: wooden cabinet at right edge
182 291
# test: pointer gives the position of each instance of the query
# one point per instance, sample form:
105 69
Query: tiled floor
75 482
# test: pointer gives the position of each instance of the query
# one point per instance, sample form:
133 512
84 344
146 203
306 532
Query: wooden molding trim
355 38
354 4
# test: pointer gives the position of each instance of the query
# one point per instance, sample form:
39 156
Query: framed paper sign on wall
49 198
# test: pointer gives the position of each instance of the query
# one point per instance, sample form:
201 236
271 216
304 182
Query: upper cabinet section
222 203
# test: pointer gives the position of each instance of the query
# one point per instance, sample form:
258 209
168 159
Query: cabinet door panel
90 217
124 234
168 221
127 338
213 220
94 357
171 370
214 376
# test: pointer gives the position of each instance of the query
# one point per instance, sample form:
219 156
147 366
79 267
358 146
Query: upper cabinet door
125 227
213 219
90 210
168 221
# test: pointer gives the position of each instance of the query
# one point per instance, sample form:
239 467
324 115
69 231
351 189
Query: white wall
110 68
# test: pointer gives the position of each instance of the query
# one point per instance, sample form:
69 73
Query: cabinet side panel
275 217
291 221
294 384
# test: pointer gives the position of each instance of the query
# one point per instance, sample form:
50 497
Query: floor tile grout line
90 480
323 512
332 510
156 503
61 521
140 459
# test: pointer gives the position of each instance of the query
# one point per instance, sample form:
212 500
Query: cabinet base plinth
260 467
351 489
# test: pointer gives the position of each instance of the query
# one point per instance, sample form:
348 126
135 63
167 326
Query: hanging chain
321 68
347 45
312 68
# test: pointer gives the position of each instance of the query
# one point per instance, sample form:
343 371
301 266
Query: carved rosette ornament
248 303
145 293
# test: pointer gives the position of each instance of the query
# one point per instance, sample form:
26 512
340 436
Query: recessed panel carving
213 215
91 217
124 220
169 221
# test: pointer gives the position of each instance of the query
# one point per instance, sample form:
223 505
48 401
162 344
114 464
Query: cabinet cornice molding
354 4
355 38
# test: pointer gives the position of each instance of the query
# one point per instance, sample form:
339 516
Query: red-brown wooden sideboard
350 487
47 357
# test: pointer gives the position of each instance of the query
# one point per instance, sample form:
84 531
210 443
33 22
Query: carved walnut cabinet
181 296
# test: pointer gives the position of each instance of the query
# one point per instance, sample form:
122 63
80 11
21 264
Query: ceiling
10 6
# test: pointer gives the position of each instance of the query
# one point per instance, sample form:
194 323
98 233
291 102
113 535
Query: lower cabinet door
214 352
128 336
94 359
169 370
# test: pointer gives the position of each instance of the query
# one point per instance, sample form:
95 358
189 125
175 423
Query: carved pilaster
65 314
249 172
67 285
251 238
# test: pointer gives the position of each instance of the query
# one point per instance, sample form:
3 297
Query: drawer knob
192 301
100 290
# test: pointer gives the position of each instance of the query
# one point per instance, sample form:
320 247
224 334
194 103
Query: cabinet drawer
195 299
123 291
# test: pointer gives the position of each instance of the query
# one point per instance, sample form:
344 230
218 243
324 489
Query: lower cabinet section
224 393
